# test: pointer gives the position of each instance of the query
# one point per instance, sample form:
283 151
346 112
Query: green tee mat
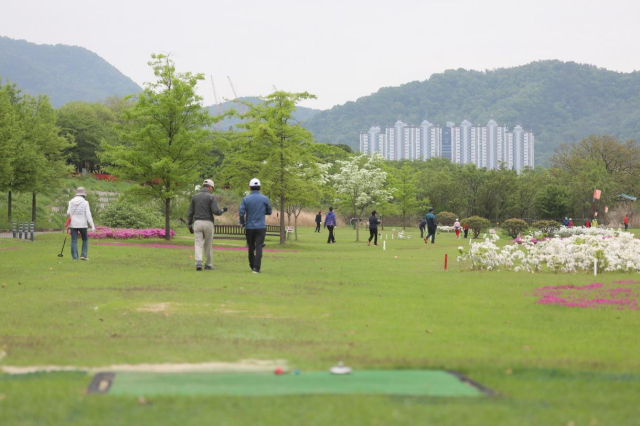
370 382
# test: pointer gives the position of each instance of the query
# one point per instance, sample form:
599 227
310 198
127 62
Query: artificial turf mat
371 382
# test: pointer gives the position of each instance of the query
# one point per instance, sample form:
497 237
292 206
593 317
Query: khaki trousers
203 232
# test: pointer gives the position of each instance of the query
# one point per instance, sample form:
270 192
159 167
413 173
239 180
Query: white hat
81 191
254 182
208 182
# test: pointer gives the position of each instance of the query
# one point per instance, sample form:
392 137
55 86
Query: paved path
35 234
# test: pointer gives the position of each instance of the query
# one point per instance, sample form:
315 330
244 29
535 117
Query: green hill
559 101
302 114
64 73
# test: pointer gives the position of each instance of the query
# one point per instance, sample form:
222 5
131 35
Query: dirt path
247 365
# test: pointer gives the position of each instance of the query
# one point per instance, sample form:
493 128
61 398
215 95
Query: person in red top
587 224
626 222
570 223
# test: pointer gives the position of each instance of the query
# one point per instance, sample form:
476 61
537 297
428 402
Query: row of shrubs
513 227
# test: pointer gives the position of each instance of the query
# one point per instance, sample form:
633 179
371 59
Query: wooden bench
236 232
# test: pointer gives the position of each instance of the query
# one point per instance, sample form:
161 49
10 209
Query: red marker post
446 258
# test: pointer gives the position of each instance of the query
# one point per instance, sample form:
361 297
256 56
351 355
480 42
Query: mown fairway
312 307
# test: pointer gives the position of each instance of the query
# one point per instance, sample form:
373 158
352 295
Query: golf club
63 243
183 221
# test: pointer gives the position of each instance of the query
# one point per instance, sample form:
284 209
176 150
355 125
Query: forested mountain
64 73
559 101
302 114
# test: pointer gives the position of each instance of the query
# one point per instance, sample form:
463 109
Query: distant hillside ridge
560 101
301 114
64 73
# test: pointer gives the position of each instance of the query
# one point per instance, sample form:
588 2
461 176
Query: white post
595 267
384 245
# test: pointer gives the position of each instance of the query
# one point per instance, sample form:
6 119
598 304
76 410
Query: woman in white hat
79 214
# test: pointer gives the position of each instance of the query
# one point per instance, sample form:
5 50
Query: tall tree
88 125
10 132
277 145
359 184
49 165
405 192
165 136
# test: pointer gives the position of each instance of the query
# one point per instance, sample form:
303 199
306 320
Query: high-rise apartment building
489 146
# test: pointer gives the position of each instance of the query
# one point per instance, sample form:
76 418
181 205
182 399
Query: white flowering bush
619 251
446 228
565 232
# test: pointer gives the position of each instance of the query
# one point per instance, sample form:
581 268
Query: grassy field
313 305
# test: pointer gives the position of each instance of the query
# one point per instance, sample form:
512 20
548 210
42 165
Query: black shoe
255 271
210 268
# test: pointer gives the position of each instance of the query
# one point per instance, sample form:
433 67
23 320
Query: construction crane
233 89
215 98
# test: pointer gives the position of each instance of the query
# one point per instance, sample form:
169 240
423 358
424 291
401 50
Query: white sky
337 50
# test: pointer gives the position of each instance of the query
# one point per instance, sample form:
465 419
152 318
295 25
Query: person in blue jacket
330 224
253 209
431 226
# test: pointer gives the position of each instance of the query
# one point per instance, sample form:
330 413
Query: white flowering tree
359 184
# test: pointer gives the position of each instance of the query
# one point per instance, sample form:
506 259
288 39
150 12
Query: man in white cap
201 210
253 209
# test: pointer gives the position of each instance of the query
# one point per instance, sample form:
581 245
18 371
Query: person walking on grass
431 226
456 226
330 224
373 228
422 227
200 220
253 209
80 217
465 228
318 221
625 221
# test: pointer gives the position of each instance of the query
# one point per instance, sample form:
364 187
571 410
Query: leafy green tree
404 183
529 183
276 145
165 137
553 201
49 165
471 182
10 133
88 125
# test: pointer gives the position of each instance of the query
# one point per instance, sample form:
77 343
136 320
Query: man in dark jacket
318 221
253 209
373 228
330 224
201 210
431 226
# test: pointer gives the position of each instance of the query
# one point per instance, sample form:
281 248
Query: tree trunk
404 220
9 207
282 228
167 219
33 207
295 225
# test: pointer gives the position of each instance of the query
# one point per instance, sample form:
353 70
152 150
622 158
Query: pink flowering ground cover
103 232
618 294
172 246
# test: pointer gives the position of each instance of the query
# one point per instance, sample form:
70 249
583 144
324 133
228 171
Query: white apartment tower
488 146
